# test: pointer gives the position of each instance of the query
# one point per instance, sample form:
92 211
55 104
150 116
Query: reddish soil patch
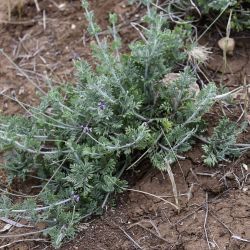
214 202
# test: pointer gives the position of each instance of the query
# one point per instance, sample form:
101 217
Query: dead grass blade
130 238
155 196
174 187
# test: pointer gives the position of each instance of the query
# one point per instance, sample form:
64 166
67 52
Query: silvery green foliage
221 144
81 137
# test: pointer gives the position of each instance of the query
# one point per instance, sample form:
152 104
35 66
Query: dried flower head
198 54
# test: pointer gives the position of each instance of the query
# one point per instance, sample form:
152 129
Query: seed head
198 54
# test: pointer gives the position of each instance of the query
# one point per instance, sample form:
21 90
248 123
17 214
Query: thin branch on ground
234 236
23 240
153 195
14 223
129 237
200 207
205 222
150 231
24 234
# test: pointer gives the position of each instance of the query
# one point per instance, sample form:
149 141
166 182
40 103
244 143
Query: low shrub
82 137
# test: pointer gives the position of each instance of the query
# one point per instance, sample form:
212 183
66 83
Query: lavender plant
82 137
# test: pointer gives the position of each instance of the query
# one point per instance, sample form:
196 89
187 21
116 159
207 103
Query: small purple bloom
102 105
86 129
76 198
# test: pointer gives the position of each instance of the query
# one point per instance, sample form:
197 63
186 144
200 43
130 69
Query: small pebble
61 6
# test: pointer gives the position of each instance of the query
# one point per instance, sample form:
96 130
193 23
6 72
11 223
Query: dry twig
150 231
234 236
153 195
205 222
23 240
130 238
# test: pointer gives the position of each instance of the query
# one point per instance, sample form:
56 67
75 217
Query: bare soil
215 210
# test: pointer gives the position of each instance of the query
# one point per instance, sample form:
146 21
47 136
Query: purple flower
86 129
76 198
102 105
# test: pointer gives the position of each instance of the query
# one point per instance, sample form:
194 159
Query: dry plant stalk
246 100
174 187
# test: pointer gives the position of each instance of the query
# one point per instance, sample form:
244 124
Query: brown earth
214 202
